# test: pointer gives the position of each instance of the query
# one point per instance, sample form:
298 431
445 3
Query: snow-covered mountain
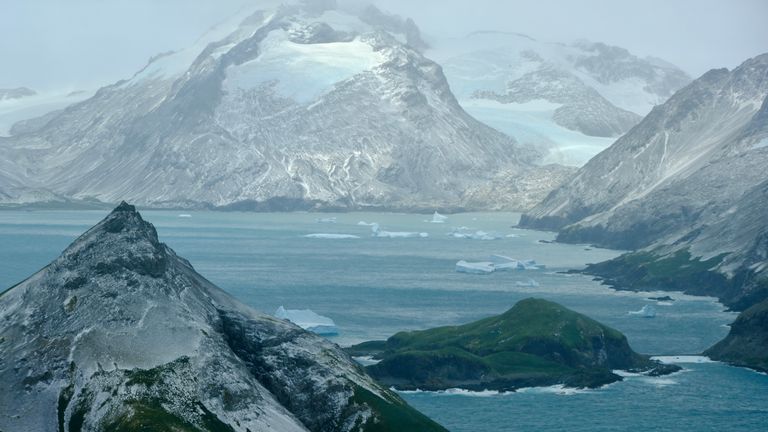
23 107
690 178
293 106
119 333
572 100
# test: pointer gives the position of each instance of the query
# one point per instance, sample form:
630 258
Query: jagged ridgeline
121 334
295 106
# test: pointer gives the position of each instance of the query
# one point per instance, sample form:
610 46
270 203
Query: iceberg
482 267
477 235
364 223
502 262
530 283
332 236
185 215
308 320
646 311
438 218
326 220
377 232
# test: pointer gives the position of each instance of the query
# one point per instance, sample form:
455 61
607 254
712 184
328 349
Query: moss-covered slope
747 342
537 342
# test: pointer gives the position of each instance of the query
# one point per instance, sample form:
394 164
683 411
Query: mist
53 45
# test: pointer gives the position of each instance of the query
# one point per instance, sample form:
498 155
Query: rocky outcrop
119 333
536 343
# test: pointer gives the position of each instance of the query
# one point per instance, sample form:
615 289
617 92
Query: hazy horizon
48 45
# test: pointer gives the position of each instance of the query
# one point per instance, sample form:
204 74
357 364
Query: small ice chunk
308 320
482 267
377 232
326 220
530 283
438 218
185 215
364 223
476 235
646 311
332 236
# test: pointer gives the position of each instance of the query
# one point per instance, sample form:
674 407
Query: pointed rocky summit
119 333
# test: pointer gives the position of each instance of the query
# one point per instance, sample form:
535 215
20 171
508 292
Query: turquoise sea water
374 287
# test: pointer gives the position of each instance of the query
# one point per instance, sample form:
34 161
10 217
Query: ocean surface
374 287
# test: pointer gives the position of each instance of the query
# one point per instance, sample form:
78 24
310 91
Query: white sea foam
683 359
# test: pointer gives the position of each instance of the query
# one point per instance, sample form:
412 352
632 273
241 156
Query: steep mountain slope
747 342
688 186
569 99
297 106
688 161
119 334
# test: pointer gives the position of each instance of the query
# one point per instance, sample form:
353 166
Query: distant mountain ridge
237 121
687 188
569 100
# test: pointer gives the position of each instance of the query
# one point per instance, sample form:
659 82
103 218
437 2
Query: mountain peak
119 333
122 241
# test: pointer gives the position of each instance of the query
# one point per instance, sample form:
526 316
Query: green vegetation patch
397 416
536 342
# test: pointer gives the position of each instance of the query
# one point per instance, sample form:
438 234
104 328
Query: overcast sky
51 44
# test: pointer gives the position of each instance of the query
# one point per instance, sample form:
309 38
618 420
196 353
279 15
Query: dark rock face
119 333
536 343
747 342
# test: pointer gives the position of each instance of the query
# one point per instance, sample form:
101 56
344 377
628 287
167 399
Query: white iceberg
530 283
326 220
308 320
364 223
482 267
476 235
438 218
185 215
502 262
332 236
646 311
377 232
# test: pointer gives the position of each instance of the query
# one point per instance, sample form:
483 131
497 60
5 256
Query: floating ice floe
502 262
483 267
377 232
438 218
332 236
326 220
364 223
530 283
498 263
646 311
476 235
185 215
308 320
